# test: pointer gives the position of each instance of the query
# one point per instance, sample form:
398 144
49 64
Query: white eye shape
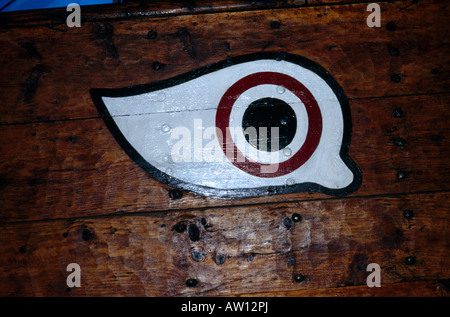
253 125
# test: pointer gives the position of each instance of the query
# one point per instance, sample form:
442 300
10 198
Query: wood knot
275 25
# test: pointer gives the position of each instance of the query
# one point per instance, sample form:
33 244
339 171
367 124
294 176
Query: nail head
296 217
220 259
410 260
393 51
157 65
152 34
396 78
299 278
399 141
398 113
401 174
391 26
198 255
408 214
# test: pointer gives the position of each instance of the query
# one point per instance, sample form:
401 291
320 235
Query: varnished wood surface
68 192
60 166
151 9
66 62
420 289
240 250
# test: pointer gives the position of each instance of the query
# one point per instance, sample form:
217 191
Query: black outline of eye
237 193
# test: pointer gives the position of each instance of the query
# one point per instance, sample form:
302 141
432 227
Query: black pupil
270 113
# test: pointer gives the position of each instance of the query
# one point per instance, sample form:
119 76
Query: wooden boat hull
71 194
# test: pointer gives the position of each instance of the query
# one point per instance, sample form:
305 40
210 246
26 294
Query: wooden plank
335 2
132 9
76 168
46 72
151 9
255 249
406 289
69 193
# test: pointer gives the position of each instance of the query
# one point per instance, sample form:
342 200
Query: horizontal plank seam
157 212
99 117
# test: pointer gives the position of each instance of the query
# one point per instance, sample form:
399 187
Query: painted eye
248 126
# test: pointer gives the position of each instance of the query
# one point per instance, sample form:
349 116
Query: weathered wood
76 168
46 73
142 9
334 2
407 289
150 9
243 250
69 193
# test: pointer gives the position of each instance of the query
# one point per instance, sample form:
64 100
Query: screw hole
192 282
391 26
275 25
175 194
152 34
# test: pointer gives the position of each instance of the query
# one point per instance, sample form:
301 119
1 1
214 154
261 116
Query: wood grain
129 10
76 168
69 193
407 289
46 73
140 9
241 250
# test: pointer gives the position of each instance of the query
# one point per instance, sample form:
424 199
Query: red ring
314 123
